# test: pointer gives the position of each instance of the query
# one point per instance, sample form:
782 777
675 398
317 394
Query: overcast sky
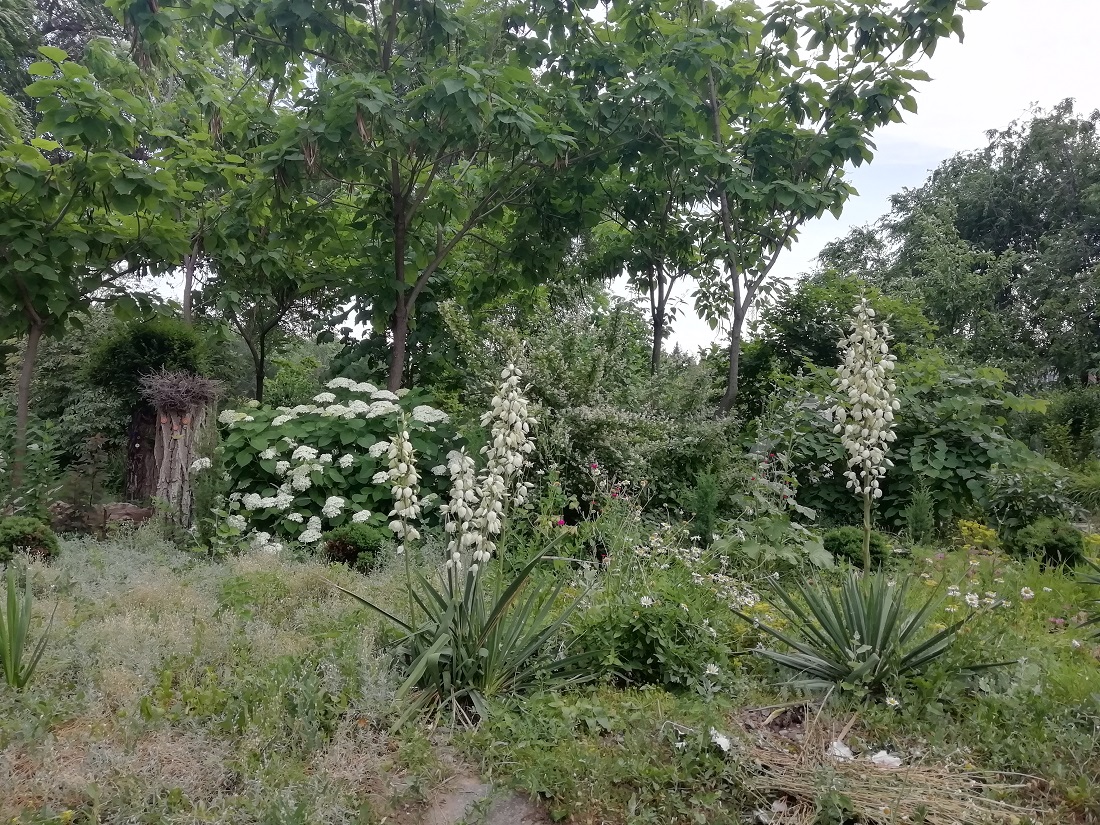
1016 53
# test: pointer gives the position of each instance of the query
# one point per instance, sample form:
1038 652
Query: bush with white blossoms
295 472
865 417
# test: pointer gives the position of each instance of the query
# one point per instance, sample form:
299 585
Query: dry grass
799 773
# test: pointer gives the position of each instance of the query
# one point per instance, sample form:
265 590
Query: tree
767 110
1002 247
81 208
435 121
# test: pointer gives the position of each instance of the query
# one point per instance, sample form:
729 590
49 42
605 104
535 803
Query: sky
1016 54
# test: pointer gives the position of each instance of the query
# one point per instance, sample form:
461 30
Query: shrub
297 471
359 546
892 641
22 534
118 363
1085 488
651 640
920 516
1016 498
1054 541
704 504
847 543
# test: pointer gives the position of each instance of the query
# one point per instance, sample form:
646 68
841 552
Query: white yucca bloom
865 420
865 417
405 487
475 513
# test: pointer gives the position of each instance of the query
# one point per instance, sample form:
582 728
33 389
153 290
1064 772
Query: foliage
950 436
1054 541
1084 487
41 480
920 516
296 381
119 362
22 534
866 639
663 638
1092 581
287 464
847 543
17 660
704 506
1068 430
994 246
1016 498
359 546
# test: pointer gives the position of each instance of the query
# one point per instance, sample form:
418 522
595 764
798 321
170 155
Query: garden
287 539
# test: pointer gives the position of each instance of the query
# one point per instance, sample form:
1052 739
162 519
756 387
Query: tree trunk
259 356
866 532
23 408
730 396
188 283
658 338
399 329
177 433
141 458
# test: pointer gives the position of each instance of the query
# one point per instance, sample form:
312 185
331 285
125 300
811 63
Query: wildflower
972 599
974 562
953 591
647 601
891 702
950 608
720 739
711 670
561 522
1026 593
1075 644
361 516
1048 590
200 464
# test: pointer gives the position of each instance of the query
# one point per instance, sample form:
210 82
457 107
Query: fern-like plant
17 662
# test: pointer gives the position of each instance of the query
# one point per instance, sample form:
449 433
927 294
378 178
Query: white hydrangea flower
200 464
297 518
383 395
378 449
380 477
310 536
304 453
380 408
334 505
280 420
364 387
237 522
361 516
301 483
282 468
268 454
340 383
345 461
324 398
231 417
429 415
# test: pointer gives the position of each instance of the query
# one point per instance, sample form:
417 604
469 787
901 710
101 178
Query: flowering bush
297 471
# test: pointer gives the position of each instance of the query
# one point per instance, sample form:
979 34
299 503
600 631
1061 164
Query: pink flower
561 522
594 465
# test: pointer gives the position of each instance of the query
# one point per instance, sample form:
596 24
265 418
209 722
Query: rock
118 513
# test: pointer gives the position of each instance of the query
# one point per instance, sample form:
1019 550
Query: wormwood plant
862 639
466 640
15 624
866 423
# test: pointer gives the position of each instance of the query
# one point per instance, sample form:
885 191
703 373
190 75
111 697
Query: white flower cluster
404 486
348 384
476 509
200 464
429 415
866 422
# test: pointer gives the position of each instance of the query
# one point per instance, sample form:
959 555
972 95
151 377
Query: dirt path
466 800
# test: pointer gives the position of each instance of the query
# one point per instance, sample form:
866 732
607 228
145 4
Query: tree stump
181 401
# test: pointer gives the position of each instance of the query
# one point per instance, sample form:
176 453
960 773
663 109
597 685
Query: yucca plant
1092 580
861 639
466 645
15 624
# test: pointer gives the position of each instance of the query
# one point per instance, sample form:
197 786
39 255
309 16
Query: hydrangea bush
294 472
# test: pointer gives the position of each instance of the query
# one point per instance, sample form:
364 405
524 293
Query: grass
176 689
